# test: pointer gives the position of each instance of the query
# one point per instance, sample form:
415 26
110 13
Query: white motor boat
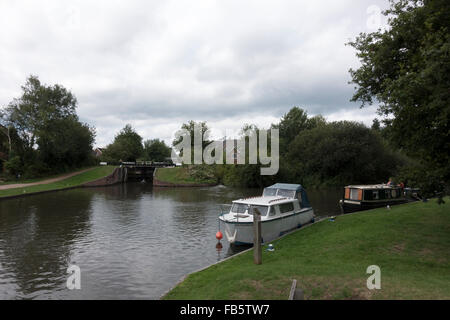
283 207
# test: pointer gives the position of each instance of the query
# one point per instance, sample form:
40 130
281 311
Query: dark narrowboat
365 197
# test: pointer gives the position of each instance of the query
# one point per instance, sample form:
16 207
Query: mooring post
257 249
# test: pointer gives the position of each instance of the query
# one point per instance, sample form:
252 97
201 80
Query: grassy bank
77 180
410 243
196 174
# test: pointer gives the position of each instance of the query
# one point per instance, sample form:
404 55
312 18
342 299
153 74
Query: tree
65 143
156 150
339 153
316 121
376 125
248 174
5 129
407 70
190 130
290 125
39 105
127 146
44 131
294 122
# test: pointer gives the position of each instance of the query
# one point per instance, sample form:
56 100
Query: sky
159 64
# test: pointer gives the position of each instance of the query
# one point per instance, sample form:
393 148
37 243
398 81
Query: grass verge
410 243
74 181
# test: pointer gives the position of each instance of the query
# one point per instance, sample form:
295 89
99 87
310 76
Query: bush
14 166
339 153
36 170
429 180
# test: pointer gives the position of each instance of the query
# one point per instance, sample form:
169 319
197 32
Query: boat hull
241 233
354 206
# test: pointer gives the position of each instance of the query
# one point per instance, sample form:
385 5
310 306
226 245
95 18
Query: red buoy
219 235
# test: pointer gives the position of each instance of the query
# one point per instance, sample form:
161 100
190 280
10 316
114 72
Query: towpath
47 181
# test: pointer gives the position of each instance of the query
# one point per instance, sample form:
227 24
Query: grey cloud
174 61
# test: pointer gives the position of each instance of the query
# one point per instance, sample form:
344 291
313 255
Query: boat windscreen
268 192
239 208
286 193
262 209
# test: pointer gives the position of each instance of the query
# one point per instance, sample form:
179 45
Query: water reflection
37 240
131 241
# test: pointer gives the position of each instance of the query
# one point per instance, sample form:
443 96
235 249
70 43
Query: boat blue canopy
293 187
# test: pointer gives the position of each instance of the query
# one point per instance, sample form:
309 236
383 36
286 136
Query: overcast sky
157 64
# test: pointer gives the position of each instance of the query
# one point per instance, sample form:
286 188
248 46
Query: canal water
130 241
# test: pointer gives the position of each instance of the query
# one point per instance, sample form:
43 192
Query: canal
130 241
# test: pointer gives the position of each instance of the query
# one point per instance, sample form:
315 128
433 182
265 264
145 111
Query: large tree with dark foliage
127 146
156 150
292 123
339 153
44 130
406 69
65 143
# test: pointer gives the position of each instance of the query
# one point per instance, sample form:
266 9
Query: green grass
410 243
77 180
186 175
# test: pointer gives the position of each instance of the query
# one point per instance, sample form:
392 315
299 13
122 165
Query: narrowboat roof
372 186
286 186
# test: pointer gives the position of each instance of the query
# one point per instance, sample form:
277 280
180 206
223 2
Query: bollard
257 248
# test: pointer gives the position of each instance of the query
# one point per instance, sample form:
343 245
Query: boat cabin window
286 207
394 193
239 208
355 194
299 197
262 209
272 211
286 193
375 195
268 192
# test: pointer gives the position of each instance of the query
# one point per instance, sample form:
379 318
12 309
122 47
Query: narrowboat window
261 209
269 192
286 207
354 194
375 195
286 193
239 208
394 193
368 194
388 194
